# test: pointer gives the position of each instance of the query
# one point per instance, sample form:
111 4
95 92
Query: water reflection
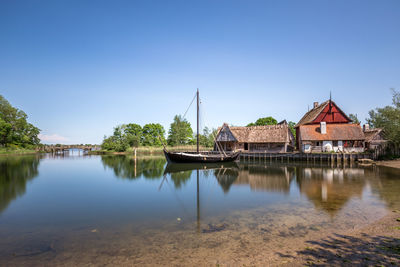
330 188
127 167
225 173
384 182
81 208
15 172
270 178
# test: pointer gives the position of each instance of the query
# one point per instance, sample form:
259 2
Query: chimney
315 104
366 127
323 127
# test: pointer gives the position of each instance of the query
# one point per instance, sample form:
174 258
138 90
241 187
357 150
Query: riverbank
389 163
148 150
15 152
377 244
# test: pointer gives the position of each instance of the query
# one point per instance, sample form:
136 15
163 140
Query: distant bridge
63 148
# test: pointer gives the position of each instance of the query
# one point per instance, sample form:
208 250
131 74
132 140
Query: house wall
328 146
254 147
268 147
225 135
227 146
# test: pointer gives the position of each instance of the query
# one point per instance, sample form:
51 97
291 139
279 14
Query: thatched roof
260 134
311 115
334 132
371 134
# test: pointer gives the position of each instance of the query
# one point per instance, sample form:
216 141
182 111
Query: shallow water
78 209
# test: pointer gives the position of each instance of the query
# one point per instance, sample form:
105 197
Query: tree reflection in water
328 188
385 183
15 172
127 167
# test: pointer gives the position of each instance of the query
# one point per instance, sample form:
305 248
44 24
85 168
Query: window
335 143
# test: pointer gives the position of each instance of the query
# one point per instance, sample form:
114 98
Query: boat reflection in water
226 174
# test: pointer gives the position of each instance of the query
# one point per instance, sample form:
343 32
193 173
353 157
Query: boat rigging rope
189 106
218 146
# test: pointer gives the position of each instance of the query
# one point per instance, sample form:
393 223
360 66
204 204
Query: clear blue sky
79 68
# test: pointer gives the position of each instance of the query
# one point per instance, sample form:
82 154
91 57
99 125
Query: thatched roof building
269 138
374 137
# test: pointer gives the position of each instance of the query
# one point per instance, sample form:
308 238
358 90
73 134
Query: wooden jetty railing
309 157
64 148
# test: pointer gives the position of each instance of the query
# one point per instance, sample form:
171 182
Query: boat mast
198 134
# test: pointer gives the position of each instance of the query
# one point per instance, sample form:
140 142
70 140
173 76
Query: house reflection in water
226 177
258 177
330 188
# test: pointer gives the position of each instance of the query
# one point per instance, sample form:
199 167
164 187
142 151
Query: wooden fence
387 150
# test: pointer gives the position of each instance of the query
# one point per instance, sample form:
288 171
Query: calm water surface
80 209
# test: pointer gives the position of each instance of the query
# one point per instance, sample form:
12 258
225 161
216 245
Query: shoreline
394 163
372 245
19 153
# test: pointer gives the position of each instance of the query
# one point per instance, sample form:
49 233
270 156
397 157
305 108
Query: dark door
246 146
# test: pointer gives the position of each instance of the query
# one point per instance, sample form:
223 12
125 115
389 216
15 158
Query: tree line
388 118
180 133
15 131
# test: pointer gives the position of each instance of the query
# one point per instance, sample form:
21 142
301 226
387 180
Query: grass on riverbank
16 151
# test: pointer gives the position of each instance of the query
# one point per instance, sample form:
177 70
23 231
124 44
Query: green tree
151 134
354 118
133 134
117 141
180 132
207 138
291 125
5 132
14 127
388 118
263 121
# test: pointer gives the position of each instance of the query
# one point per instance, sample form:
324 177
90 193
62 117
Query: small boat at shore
198 157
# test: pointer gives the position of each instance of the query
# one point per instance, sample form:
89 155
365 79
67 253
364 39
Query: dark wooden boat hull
179 157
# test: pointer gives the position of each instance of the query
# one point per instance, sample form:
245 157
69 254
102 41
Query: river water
114 210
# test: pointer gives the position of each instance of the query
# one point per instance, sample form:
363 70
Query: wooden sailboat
200 157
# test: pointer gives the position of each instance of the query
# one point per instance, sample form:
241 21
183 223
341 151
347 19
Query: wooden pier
303 157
